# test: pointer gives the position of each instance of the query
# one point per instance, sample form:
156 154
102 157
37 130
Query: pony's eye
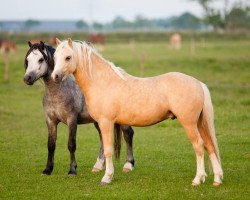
68 58
40 60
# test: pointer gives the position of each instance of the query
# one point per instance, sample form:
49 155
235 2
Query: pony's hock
65 103
113 96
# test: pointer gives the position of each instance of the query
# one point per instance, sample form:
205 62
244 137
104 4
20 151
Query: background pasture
164 159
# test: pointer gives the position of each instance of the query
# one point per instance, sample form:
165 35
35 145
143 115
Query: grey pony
65 103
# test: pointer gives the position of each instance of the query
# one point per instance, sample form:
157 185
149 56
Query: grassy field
164 159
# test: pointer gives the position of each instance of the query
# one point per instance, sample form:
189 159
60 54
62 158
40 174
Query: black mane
49 58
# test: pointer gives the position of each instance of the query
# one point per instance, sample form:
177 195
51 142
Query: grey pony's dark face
35 63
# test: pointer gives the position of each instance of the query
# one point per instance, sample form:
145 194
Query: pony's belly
144 119
140 122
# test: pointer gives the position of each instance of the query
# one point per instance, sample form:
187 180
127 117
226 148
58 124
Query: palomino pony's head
38 61
69 55
65 59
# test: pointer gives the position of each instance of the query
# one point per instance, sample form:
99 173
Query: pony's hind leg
100 161
72 126
128 134
218 173
198 145
52 134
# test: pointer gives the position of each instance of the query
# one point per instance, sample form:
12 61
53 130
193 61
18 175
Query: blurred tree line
235 19
184 21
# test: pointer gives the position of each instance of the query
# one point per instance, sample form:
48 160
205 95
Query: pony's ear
70 43
29 43
42 44
58 41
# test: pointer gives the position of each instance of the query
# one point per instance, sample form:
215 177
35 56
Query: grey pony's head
38 62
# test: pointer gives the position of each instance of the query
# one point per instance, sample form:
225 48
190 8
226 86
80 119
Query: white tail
208 119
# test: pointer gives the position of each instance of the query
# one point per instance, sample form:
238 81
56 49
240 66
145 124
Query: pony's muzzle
57 77
29 79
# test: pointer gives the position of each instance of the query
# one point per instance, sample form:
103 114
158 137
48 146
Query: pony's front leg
107 128
128 133
100 161
72 125
52 134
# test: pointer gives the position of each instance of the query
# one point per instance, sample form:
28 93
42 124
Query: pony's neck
47 79
82 78
100 72
49 83
103 70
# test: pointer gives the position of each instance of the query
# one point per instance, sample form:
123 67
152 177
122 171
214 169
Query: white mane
85 51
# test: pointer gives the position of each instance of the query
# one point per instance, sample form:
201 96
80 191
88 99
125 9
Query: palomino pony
65 103
113 96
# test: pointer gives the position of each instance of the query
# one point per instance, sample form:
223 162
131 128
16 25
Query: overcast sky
97 10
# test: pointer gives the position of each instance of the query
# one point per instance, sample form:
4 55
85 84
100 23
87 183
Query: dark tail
117 140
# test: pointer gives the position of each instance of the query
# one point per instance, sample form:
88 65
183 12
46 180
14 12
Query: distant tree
238 17
186 21
215 19
80 24
97 26
121 23
204 4
212 16
31 23
163 23
142 22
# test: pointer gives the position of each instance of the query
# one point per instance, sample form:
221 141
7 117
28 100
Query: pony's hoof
199 179
72 173
195 184
128 167
46 173
107 179
103 183
96 170
216 184
126 170
99 166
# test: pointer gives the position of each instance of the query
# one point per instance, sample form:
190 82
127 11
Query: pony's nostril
28 79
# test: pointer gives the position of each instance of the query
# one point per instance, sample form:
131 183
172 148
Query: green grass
164 158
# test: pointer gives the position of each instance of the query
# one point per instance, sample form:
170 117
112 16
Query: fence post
192 47
142 66
6 70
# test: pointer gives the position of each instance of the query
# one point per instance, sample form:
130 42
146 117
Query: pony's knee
72 145
198 146
108 151
209 148
51 143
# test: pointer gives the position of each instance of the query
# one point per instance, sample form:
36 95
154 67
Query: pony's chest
59 109
101 107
